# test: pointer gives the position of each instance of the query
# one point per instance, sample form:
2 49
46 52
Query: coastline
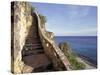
88 60
88 64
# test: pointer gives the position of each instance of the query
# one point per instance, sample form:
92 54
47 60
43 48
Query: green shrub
64 46
71 57
74 63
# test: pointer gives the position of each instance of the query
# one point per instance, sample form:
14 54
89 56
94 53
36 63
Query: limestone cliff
31 43
21 21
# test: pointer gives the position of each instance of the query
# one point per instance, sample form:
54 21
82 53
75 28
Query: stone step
33 47
33 44
38 62
32 52
33 36
34 41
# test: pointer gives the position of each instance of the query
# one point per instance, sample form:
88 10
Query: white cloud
78 11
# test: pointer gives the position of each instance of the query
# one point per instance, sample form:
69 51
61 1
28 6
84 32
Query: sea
83 46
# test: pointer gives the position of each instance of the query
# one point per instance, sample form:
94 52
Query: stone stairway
32 53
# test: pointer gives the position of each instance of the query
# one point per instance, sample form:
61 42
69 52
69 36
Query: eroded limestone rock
21 21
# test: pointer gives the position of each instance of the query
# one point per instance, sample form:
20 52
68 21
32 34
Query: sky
69 20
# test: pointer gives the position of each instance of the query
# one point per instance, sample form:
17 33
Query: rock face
32 48
26 47
21 21
33 52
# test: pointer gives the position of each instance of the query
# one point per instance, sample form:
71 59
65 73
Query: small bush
75 65
64 46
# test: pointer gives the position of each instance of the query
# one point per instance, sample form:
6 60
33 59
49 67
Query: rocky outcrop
21 21
32 47
33 51
57 57
26 49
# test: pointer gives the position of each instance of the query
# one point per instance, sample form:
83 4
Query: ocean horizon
83 46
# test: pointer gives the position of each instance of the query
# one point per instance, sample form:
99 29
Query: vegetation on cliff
43 18
75 65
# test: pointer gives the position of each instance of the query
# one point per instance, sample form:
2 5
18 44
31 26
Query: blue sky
69 20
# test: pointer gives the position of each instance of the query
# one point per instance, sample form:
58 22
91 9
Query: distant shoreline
75 43
87 61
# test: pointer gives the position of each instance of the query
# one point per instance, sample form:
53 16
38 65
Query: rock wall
57 57
21 21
